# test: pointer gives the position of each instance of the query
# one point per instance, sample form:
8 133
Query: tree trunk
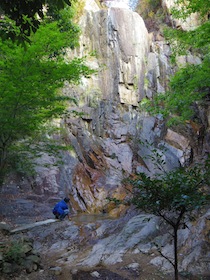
176 276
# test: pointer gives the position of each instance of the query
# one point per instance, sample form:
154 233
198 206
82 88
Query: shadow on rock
102 274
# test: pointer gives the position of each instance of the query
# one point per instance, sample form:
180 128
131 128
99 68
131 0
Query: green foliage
197 41
31 79
170 193
22 155
164 193
23 17
172 196
191 83
185 8
14 252
155 155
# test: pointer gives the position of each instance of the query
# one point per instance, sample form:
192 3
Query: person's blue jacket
60 207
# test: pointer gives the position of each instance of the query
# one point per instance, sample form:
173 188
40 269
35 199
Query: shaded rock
9 268
56 270
34 258
134 268
26 248
110 250
102 274
179 145
5 228
29 266
18 256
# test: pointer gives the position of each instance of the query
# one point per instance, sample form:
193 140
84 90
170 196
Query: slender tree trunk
3 158
176 276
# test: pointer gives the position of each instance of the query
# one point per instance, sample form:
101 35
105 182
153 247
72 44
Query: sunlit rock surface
120 40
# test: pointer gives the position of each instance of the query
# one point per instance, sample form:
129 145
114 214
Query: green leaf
31 80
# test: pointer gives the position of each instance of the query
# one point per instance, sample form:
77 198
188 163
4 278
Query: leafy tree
183 9
21 17
172 196
191 83
31 79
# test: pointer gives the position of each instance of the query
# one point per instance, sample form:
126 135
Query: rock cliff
109 128
109 135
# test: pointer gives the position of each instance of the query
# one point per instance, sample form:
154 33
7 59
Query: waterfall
129 4
133 4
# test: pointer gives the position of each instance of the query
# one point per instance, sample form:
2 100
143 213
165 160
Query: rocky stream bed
87 247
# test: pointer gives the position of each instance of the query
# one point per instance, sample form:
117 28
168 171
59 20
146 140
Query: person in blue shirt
61 209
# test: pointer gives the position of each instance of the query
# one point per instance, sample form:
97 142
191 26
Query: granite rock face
121 41
109 137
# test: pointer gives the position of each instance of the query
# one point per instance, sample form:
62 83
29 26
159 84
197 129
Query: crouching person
61 209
